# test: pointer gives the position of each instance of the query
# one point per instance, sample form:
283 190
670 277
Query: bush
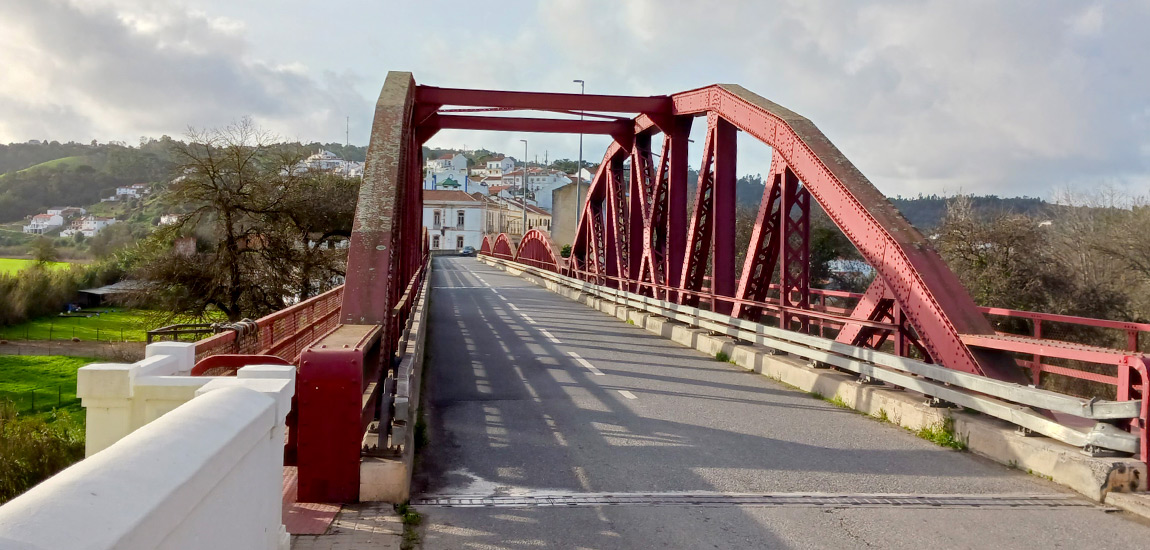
37 290
34 448
565 251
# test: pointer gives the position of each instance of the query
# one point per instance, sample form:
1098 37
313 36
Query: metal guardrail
284 333
1014 403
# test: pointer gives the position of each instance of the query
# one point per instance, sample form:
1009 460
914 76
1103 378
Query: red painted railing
284 333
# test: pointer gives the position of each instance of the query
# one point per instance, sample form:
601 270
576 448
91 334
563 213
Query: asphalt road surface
553 425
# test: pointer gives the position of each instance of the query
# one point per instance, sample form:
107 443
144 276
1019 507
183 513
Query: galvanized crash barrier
1020 405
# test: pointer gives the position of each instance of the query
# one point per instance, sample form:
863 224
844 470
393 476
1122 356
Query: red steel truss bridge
643 241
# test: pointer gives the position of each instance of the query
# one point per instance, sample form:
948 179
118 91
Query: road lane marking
529 320
628 394
823 501
513 307
586 364
549 336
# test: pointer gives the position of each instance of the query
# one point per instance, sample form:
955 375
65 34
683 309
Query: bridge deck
611 437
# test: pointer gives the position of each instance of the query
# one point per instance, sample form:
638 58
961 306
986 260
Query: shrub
37 290
33 448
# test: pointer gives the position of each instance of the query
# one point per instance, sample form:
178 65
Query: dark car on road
467 251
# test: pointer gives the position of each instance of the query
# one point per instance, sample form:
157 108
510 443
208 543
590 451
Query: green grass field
39 384
13 265
116 325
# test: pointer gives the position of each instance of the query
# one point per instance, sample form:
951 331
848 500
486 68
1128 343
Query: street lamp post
523 197
579 169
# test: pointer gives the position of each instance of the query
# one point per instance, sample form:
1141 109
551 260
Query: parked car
467 251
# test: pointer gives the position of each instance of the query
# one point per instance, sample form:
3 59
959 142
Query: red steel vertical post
795 262
698 250
677 200
723 260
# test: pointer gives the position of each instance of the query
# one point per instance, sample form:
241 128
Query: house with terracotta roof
43 223
453 218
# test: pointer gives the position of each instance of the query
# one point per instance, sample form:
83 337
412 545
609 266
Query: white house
169 219
449 172
135 191
453 219
88 226
500 165
540 184
327 161
42 223
67 211
448 161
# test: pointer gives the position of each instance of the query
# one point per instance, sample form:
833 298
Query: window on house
436 218
459 241
435 242
459 218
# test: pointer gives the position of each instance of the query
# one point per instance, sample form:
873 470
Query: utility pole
579 169
523 198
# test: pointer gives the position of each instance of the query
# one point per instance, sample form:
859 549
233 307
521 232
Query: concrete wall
120 398
208 474
563 213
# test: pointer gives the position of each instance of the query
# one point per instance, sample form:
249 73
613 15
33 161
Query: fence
39 399
284 333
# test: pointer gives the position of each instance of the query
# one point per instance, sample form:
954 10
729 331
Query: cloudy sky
1012 98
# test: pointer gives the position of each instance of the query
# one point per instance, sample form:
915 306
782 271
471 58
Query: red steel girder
795 250
543 100
723 213
763 249
928 292
698 249
387 232
621 130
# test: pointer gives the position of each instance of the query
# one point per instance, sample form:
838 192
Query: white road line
502 297
513 307
584 362
628 394
495 291
549 336
529 320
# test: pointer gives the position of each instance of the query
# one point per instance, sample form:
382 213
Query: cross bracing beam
431 95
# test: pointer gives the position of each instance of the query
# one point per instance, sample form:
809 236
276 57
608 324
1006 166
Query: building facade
453 219
43 223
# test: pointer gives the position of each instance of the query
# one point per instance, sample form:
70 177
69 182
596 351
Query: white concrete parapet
120 398
208 474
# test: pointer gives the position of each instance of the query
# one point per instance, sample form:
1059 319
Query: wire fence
68 333
40 399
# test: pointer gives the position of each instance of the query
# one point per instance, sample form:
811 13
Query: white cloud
924 96
82 73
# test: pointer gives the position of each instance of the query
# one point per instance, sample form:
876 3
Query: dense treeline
82 180
40 176
18 156
926 212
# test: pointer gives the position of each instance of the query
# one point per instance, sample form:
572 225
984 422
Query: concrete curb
997 440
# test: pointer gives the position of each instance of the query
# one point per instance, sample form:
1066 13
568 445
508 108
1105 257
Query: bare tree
263 229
